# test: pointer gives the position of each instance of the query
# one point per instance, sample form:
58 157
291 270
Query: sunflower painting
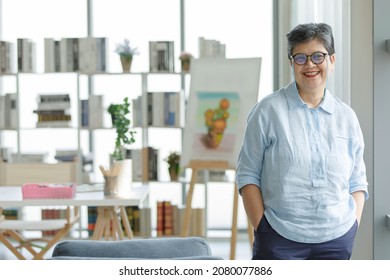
216 116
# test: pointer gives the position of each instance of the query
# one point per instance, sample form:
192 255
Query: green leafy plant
121 123
125 50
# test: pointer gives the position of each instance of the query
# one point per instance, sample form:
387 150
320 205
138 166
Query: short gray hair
303 33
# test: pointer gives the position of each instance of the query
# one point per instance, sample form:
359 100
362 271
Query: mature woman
300 170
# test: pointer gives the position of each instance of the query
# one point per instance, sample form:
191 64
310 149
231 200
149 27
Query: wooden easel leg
233 240
187 214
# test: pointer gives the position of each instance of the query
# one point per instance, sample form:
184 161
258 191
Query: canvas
222 92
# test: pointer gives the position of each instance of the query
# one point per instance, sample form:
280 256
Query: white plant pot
124 175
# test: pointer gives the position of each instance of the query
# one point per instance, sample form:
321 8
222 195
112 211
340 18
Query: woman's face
311 77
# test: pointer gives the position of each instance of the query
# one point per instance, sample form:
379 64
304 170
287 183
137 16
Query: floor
220 246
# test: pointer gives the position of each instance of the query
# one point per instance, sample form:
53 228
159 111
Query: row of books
8 111
6 57
163 109
210 48
92 118
53 110
88 54
144 166
170 220
10 213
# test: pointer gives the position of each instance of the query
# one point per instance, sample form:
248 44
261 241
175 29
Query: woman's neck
312 99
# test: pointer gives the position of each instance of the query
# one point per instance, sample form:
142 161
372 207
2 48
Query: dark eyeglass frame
307 57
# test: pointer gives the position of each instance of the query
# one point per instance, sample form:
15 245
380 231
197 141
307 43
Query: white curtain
336 13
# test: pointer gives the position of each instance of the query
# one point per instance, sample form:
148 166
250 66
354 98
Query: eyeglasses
316 58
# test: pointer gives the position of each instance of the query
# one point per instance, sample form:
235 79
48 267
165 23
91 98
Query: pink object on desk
48 190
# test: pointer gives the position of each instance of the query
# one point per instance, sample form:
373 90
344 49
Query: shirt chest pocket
339 161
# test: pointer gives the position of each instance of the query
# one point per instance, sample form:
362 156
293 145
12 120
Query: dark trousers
269 245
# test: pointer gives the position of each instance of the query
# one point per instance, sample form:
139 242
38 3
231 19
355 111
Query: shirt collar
294 101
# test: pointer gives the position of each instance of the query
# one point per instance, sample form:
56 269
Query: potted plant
185 58
121 123
173 161
126 53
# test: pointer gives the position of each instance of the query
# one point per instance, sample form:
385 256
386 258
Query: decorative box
47 190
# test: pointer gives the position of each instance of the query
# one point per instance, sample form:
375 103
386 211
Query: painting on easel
222 91
216 122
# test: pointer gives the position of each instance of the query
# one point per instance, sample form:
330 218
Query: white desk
108 221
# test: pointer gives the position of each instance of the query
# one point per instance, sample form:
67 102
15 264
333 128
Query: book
160 218
168 219
49 124
145 222
95 116
2 112
50 55
92 214
84 112
11 111
26 54
6 57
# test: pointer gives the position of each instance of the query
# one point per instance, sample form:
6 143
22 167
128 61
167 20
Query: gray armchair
187 248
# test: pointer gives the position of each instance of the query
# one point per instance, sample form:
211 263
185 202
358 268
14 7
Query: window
244 26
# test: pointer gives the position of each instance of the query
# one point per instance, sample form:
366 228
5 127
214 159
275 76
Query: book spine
168 220
160 218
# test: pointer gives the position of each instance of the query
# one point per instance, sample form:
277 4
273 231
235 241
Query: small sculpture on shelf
173 161
126 53
185 58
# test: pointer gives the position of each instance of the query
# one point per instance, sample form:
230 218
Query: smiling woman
301 204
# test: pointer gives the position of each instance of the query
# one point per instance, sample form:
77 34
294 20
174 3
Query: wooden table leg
116 225
108 224
125 222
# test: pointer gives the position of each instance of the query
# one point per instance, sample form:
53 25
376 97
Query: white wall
381 96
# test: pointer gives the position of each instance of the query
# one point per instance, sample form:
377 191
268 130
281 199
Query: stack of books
53 110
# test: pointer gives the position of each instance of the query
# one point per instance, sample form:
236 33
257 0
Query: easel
197 165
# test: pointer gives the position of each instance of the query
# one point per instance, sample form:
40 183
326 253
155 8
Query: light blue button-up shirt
306 162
